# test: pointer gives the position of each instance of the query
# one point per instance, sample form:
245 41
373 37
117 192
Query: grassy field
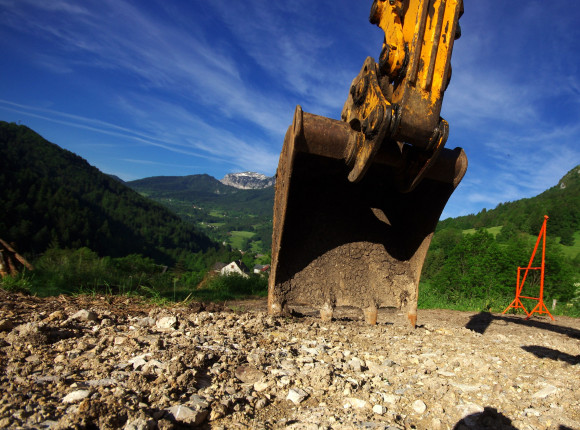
430 298
493 230
569 251
237 238
574 250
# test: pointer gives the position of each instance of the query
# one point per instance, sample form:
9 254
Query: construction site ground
117 363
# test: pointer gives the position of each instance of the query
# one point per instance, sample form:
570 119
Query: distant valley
236 210
231 211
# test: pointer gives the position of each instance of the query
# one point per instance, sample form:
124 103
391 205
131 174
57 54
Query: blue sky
147 88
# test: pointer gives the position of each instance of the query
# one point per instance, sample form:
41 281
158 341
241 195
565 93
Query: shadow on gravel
552 354
481 321
57 334
490 419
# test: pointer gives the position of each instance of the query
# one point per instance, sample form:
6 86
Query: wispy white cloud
291 45
198 67
187 64
173 123
159 163
534 162
101 127
512 167
55 5
513 101
475 99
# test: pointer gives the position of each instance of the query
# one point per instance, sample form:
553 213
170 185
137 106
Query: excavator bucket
357 200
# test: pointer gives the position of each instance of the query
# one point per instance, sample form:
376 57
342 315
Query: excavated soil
113 362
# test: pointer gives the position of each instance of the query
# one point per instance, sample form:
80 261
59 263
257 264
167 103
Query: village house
235 267
261 269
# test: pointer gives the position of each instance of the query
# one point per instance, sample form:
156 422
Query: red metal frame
540 308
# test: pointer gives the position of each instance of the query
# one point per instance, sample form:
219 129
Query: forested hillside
225 213
206 191
561 203
51 197
474 258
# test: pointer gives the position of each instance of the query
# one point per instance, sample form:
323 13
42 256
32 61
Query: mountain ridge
220 211
182 186
561 203
248 180
205 191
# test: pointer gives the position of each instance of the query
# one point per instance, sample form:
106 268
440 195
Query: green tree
475 269
441 246
508 232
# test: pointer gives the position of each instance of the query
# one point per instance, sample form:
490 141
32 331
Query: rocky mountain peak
248 180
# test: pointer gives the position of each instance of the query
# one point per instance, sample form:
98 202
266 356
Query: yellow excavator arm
357 200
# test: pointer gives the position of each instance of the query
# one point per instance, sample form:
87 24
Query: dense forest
51 197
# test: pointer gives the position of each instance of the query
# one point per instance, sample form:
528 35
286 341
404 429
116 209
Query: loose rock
296 395
545 392
379 409
419 406
76 396
166 323
85 315
250 370
187 415
249 374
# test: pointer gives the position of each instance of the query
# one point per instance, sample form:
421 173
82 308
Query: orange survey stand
540 308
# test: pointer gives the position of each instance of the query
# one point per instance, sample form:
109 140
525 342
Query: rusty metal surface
369 112
357 200
352 244
326 137
341 243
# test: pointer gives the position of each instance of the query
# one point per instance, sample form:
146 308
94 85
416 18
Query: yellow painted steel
400 98
387 15
415 63
429 30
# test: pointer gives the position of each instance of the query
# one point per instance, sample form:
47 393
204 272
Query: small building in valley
261 269
235 267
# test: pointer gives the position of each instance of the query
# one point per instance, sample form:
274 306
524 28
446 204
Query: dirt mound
113 362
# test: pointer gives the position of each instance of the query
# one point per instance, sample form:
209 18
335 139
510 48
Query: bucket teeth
326 312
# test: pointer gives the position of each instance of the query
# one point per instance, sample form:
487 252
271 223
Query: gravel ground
111 362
